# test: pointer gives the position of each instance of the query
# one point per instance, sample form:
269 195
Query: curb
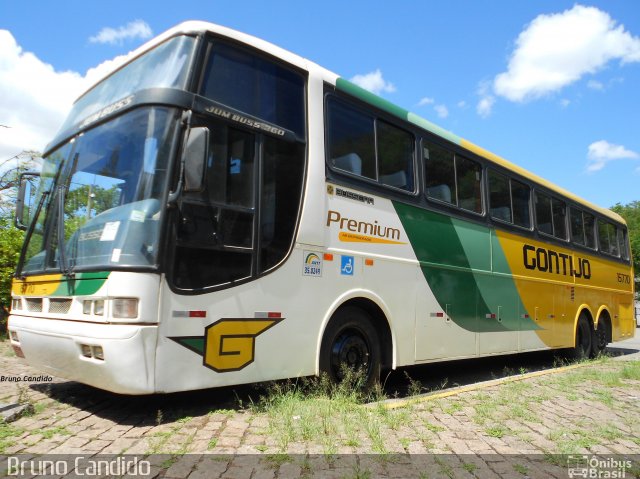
12 412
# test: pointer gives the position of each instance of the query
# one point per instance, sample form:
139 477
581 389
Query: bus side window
543 213
351 136
622 242
521 198
350 162
440 174
395 156
559 212
469 181
577 226
499 197
589 230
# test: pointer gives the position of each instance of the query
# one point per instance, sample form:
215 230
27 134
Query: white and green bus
220 211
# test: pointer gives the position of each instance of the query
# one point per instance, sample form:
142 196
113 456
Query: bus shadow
443 375
151 410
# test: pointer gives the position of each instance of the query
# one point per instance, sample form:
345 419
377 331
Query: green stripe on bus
464 284
433 128
83 284
371 98
385 105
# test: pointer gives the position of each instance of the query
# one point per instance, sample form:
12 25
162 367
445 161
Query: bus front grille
34 304
59 306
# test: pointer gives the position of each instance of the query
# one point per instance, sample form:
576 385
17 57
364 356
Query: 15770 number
624 278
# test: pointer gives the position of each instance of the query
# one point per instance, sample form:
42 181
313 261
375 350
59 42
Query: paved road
509 430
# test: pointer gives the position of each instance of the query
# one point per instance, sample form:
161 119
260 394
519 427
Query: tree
631 214
10 170
11 238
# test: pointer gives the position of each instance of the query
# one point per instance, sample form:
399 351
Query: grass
469 467
631 370
433 427
496 431
315 410
8 434
519 468
224 412
604 396
573 440
50 432
159 442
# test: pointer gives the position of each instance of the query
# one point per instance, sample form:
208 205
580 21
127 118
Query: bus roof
346 86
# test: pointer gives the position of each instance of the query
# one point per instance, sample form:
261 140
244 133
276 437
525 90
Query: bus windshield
166 66
106 186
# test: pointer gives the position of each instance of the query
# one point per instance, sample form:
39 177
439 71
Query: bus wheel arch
366 322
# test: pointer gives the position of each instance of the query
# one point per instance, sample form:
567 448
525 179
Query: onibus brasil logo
228 344
597 467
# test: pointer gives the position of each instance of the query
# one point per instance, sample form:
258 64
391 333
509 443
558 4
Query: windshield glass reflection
111 182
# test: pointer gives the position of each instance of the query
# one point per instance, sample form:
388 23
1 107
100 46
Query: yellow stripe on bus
358 238
41 285
556 283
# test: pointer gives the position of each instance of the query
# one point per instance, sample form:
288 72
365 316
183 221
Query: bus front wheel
351 346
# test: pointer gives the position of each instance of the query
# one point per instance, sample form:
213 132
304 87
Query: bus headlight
125 308
98 307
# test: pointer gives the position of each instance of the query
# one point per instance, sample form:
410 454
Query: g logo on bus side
228 344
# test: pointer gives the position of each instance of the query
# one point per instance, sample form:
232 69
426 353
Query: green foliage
86 202
631 214
11 240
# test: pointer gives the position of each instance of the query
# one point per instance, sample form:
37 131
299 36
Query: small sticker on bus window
110 231
137 215
115 255
234 166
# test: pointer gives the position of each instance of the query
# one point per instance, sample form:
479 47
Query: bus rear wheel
602 336
351 346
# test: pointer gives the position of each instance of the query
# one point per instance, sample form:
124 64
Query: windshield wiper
64 269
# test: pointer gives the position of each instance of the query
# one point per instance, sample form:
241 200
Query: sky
553 86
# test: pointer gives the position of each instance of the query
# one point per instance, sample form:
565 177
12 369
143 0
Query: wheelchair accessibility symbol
346 266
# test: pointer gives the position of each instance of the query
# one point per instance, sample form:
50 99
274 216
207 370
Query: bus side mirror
196 152
27 188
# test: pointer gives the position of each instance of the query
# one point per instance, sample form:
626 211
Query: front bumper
56 347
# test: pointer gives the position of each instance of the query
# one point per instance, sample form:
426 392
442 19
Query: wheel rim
351 350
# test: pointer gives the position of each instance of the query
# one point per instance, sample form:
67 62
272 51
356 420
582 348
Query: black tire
601 337
351 341
584 339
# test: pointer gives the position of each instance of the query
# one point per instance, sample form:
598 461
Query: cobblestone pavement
507 430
